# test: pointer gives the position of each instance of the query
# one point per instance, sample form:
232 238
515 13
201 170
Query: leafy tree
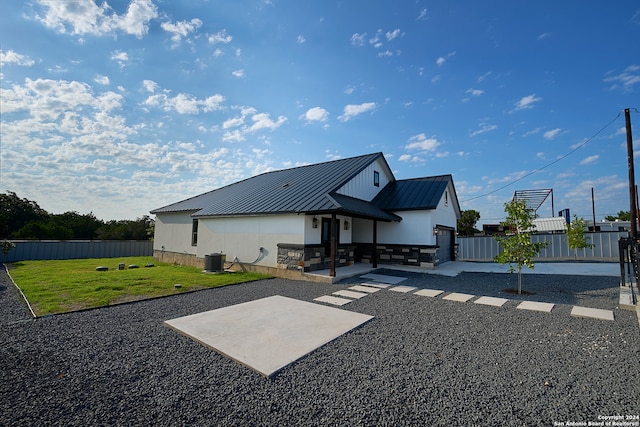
126 229
82 226
467 222
517 248
15 213
622 216
575 234
44 230
6 246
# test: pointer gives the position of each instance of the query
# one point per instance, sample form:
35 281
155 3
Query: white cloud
385 53
422 14
301 39
181 29
120 57
11 57
263 121
316 114
589 160
220 37
422 143
483 129
475 92
358 39
629 77
184 103
392 34
87 18
442 59
550 134
352 110
150 85
527 102
238 73
102 80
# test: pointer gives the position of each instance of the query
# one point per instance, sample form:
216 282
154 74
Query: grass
53 287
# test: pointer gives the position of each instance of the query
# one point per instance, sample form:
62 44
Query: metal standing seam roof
418 193
304 189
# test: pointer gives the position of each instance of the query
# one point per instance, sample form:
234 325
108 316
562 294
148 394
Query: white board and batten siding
173 232
242 237
362 185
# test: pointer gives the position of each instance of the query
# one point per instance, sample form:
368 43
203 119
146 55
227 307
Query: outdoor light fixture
346 225
435 231
315 222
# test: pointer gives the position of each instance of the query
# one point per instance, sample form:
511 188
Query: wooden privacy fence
485 248
74 249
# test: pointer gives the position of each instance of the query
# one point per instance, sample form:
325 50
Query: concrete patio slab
458 297
270 333
403 289
376 285
429 292
536 306
496 302
350 294
333 300
594 313
394 280
362 288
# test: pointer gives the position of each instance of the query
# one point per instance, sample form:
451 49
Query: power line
579 146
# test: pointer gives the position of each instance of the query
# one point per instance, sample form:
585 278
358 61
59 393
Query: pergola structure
535 198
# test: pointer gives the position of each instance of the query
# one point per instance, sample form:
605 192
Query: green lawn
68 285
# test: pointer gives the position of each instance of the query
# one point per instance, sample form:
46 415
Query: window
194 233
376 178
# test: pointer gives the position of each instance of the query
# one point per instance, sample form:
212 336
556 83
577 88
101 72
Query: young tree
467 222
517 248
575 234
622 216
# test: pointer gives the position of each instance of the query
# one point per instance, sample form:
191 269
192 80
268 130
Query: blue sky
118 108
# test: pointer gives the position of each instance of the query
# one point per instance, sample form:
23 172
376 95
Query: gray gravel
421 361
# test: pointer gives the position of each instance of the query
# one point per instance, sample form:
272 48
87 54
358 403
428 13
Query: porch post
374 255
333 250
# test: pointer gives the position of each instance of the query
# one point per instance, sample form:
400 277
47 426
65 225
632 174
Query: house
320 216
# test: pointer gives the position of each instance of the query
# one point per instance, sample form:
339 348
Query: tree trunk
519 281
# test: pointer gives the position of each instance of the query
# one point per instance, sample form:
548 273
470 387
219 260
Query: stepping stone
594 313
536 306
496 302
333 300
349 294
458 297
366 289
403 289
429 292
376 285
384 278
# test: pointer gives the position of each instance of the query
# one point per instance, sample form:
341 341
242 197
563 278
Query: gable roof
417 193
304 189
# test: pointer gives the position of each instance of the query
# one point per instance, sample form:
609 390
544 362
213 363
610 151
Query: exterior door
444 240
326 234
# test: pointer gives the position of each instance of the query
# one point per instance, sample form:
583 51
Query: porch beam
374 256
333 250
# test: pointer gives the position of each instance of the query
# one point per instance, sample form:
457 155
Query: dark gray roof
418 193
304 189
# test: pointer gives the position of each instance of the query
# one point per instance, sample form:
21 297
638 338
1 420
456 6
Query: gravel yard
420 361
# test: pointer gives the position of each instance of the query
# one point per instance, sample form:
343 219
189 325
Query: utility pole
632 180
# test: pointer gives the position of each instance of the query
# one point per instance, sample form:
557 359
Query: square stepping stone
594 313
333 300
367 289
376 285
496 302
455 296
536 306
349 294
403 289
270 333
394 280
429 292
